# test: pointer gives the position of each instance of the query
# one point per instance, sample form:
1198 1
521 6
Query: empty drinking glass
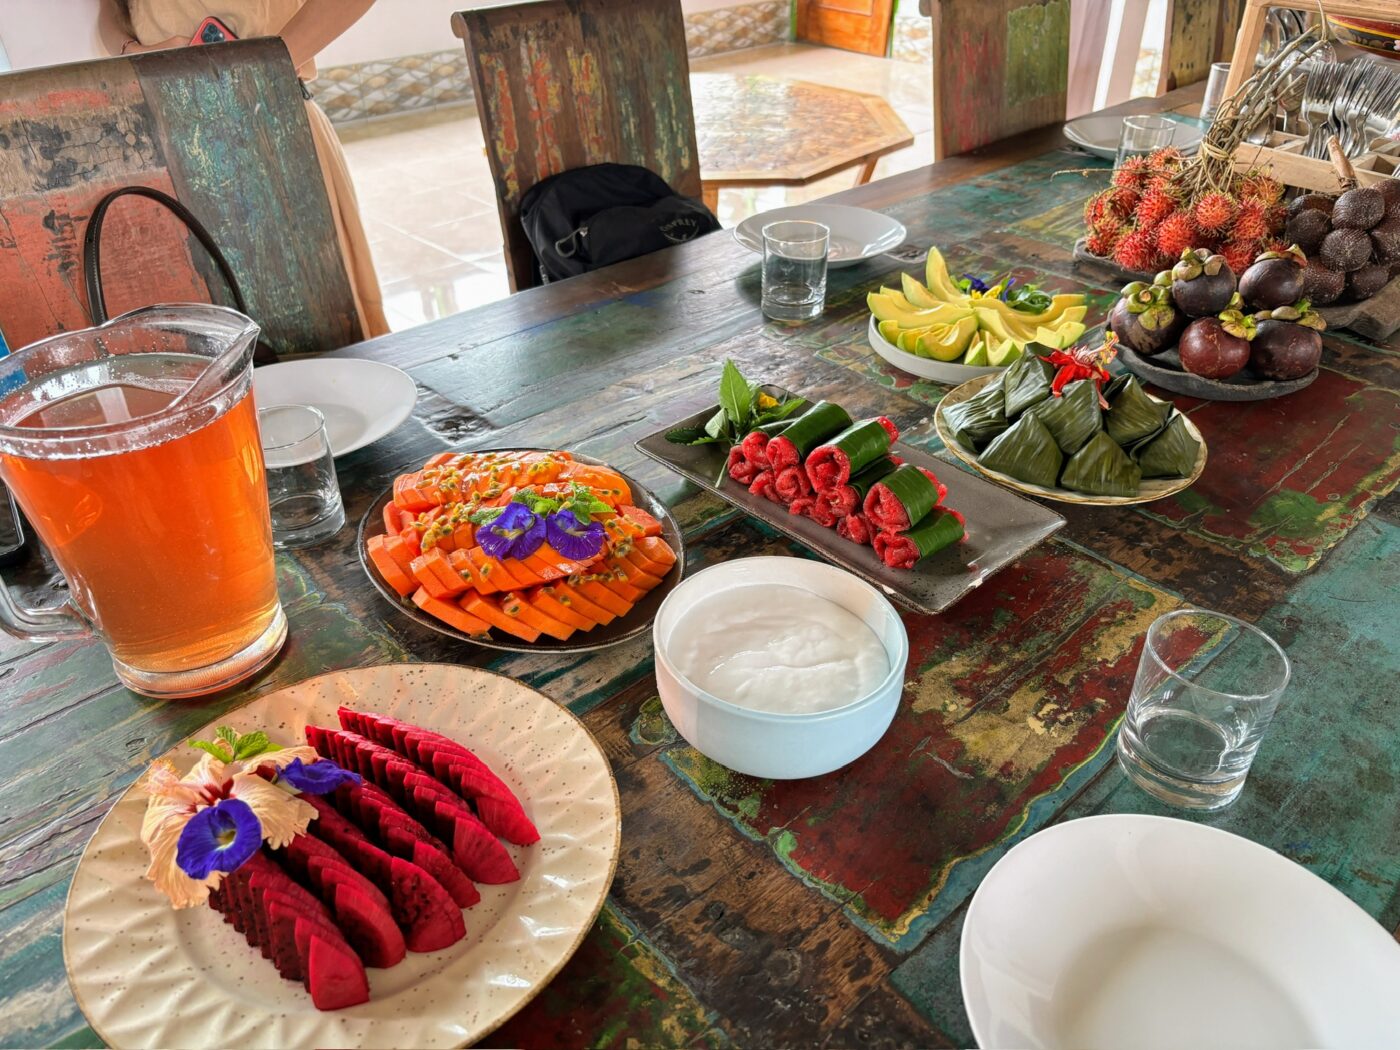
1141 135
1215 90
1206 690
303 494
794 269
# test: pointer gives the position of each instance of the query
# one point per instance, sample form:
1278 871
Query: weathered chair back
567 83
1198 33
999 67
221 128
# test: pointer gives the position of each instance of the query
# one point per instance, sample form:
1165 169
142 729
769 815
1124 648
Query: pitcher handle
39 625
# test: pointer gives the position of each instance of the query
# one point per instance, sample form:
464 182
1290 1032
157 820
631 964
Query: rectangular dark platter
1001 526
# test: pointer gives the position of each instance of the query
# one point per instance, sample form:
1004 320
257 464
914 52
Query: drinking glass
1143 134
1215 90
1206 690
794 269
132 449
302 490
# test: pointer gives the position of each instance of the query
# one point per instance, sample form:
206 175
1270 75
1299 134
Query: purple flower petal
571 539
218 838
498 539
529 541
317 778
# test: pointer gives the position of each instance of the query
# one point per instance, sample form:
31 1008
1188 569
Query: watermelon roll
848 498
903 550
753 448
850 452
856 528
819 423
791 483
741 468
902 497
762 485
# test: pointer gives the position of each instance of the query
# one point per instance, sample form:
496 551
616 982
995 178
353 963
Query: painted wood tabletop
821 912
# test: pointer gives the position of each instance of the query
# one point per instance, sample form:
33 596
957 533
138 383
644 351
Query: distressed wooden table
823 912
767 131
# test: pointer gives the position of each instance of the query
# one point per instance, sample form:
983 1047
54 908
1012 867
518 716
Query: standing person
305 26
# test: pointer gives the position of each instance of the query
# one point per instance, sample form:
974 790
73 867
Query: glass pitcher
133 449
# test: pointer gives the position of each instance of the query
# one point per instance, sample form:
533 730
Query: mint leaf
485 516
216 750
227 735
250 745
537 503
736 396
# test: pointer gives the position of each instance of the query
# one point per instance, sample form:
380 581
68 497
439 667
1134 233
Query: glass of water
1143 134
794 269
1206 690
303 494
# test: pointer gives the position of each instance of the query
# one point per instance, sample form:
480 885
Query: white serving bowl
781 746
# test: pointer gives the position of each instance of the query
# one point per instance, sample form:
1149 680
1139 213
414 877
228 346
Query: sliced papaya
485 609
450 613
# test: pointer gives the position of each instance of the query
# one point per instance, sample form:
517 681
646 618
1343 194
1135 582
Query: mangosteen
1346 250
1321 285
1274 279
1385 239
1287 343
1216 347
1202 283
1358 209
1367 281
1310 202
1307 228
1145 318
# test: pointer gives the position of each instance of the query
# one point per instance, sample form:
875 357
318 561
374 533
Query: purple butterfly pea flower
517 533
316 778
572 538
218 838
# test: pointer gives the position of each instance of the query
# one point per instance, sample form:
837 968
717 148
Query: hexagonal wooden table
767 131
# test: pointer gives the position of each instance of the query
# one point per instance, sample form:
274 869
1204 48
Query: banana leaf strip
1133 414
1170 454
980 418
1073 417
1101 468
1027 380
1027 452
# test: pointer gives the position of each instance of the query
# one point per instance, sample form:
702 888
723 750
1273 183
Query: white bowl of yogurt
779 667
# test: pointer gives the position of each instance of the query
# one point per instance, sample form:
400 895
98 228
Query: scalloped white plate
147 975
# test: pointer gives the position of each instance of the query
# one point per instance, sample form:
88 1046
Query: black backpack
586 218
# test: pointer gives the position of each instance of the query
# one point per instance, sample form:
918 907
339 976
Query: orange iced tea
166 542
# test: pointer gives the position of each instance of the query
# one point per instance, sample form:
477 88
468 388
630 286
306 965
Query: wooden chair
999 67
222 128
566 83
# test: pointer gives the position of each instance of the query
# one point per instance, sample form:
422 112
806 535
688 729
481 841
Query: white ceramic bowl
763 743
953 372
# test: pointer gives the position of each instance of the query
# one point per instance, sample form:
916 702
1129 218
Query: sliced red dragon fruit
426 913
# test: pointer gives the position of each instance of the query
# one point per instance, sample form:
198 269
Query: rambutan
1135 251
1251 223
1156 205
1133 174
1168 157
1239 255
1103 239
1175 234
1261 184
1123 201
1214 211
1095 208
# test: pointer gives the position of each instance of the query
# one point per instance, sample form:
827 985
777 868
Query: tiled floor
425 191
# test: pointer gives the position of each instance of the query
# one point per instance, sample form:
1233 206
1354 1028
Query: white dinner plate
951 372
856 233
1100 135
1138 932
147 975
361 400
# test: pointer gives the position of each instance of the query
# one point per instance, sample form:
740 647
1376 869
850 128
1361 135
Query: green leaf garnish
736 395
233 747
537 503
250 745
217 750
485 516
